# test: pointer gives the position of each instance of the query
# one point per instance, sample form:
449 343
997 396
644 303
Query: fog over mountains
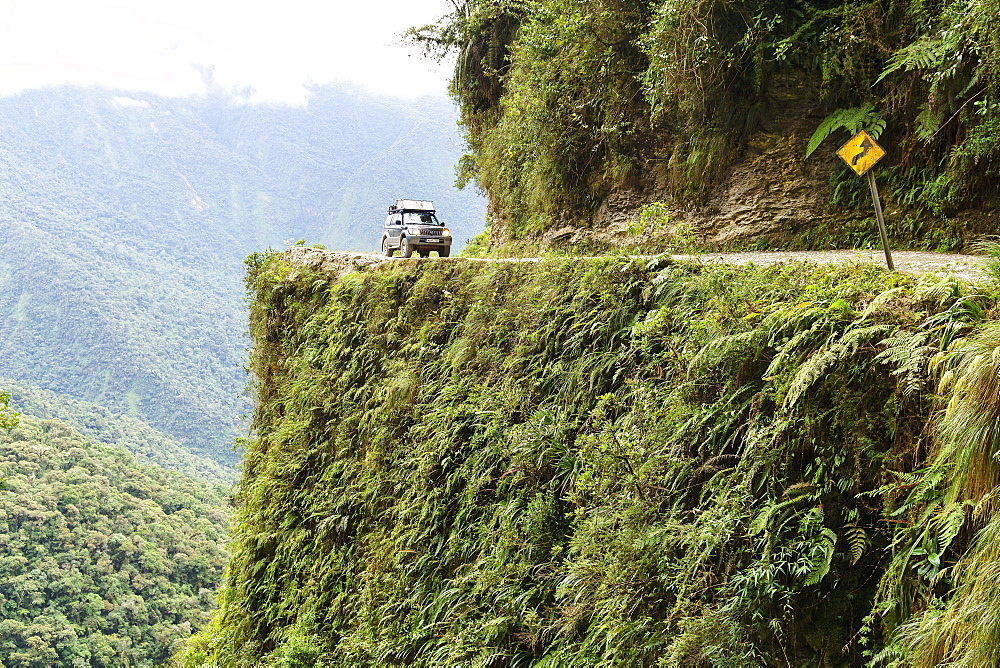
125 217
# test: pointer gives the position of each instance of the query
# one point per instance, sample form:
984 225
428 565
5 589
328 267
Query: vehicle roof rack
412 205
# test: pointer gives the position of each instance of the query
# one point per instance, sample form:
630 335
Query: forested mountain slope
98 424
614 462
125 217
103 562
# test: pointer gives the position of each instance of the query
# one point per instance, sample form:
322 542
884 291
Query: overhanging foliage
565 102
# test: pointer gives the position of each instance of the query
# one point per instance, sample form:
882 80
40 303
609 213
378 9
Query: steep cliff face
770 194
610 462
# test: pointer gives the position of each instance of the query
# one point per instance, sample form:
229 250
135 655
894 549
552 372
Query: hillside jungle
103 561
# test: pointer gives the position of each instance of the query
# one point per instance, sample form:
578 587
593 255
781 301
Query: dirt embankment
771 191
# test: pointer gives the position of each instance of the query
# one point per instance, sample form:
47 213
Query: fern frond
932 53
764 517
723 347
824 547
800 489
852 120
949 522
879 301
908 354
857 541
820 362
938 289
854 337
792 348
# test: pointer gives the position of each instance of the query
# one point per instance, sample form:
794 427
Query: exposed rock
333 263
771 189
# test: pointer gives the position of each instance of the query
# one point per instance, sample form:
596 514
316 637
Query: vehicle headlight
446 233
413 230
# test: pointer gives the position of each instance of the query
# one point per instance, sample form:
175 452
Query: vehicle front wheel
444 252
388 252
405 249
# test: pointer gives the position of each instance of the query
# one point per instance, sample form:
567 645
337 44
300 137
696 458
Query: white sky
275 46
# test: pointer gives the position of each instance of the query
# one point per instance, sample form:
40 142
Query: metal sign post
861 153
881 220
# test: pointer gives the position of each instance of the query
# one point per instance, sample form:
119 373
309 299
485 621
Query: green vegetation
96 423
102 562
126 218
614 462
565 102
8 419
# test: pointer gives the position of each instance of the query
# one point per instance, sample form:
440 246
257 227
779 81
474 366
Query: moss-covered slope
604 462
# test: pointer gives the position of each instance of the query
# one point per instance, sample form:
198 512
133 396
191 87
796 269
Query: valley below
125 219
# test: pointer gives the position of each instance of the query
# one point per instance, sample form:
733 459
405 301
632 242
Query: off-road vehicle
412 226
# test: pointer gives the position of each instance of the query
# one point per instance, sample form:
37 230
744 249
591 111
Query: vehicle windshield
422 218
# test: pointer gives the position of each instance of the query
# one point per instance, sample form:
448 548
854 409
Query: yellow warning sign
861 152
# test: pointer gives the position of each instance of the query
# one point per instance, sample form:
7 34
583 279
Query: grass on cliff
598 462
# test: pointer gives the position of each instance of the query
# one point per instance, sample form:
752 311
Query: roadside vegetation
614 462
565 103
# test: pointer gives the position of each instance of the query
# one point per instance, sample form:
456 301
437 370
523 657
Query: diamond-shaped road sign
861 152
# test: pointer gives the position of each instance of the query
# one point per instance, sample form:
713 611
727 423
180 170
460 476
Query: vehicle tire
444 252
388 252
405 249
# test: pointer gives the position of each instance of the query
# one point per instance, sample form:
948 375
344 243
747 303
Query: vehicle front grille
432 233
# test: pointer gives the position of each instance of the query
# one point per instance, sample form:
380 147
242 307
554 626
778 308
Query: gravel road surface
967 267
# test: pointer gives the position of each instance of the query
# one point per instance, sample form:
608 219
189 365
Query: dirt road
967 267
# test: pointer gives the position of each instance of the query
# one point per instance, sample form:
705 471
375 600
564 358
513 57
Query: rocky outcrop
771 189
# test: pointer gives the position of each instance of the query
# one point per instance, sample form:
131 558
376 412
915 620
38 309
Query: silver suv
412 226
